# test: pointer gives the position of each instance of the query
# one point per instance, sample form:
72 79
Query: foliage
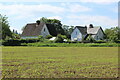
57 24
68 30
23 28
112 34
48 36
41 38
15 36
45 44
5 27
11 42
90 38
100 41
60 62
60 38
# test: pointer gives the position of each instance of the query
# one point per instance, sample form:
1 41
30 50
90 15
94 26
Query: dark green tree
68 30
57 24
5 28
113 34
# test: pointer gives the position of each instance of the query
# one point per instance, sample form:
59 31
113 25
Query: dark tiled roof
32 29
35 30
51 29
82 29
86 30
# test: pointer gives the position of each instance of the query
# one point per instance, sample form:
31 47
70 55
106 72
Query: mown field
60 62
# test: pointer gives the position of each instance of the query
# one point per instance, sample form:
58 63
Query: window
44 29
76 32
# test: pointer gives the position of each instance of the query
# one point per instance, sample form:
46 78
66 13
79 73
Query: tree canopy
5 28
113 34
57 24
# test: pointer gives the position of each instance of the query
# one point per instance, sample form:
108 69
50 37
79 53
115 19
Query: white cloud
96 1
78 8
55 17
28 9
22 14
87 19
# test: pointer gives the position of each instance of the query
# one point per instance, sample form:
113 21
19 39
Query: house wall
44 31
76 35
99 35
29 37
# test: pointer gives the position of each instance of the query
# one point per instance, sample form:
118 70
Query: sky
102 13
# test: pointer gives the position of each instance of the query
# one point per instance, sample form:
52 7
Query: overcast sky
102 13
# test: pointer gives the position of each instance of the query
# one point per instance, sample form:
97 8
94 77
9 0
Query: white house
33 30
80 33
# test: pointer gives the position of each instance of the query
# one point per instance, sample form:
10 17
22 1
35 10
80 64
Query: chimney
38 22
91 26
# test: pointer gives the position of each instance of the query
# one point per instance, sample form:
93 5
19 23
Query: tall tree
113 34
5 28
57 24
68 30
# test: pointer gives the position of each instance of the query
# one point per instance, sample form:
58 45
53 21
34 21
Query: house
81 33
33 30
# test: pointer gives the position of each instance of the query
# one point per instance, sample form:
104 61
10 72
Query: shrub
100 41
48 36
11 43
41 38
90 38
59 39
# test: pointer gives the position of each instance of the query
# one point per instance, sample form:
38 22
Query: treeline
8 36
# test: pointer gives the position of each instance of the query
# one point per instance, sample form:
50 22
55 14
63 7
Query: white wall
46 32
76 35
29 37
99 35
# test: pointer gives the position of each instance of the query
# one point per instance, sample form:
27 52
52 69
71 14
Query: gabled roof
93 30
33 29
87 30
51 29
82 29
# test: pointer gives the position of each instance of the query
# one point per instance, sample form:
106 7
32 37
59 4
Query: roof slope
51 29
33 29
93 30
83 30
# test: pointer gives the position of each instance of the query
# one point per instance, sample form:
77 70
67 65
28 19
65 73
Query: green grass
42 44
60 62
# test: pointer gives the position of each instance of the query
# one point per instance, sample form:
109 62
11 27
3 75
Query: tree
113 34
68 30
57 24
23 28
6 32
90 38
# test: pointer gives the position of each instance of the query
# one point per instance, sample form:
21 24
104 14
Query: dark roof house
96 32
38 28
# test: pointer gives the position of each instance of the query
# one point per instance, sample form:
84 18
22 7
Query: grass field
60 62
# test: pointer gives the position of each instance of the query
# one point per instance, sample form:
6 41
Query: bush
90 38
59 39
41 38
29 40
48 36
11 43
100 41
